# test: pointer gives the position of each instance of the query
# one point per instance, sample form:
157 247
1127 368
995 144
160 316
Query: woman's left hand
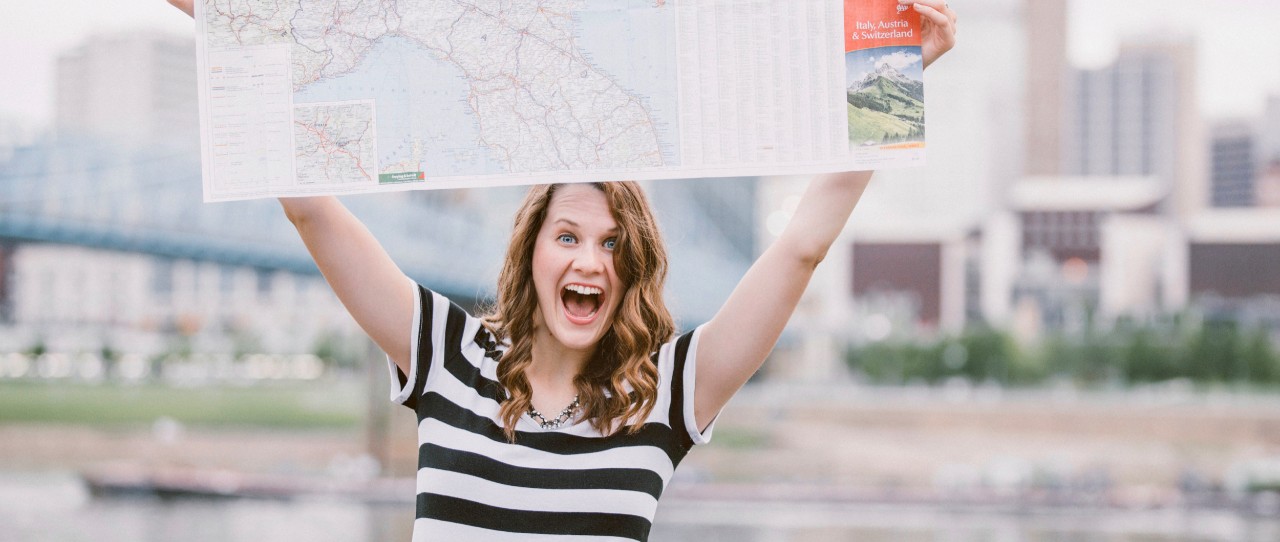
937 27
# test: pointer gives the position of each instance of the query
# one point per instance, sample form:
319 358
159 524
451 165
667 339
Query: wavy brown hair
619 385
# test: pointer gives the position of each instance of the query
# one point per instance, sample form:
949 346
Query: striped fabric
570 483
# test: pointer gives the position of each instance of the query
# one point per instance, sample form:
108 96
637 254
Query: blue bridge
148 201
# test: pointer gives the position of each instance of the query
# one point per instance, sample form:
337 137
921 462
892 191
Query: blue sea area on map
634 42
419 99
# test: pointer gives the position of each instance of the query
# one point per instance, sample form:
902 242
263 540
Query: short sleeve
405 389
682 356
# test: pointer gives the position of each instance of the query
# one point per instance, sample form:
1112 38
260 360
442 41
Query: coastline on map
646 68
422 117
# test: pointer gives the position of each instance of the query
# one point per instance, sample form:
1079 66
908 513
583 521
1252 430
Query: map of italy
467 87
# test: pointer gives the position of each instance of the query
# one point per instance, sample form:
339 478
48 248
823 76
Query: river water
47 507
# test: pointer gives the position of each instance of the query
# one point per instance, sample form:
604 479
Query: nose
590 260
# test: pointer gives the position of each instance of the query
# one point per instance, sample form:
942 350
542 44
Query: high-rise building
1267 190
1139 116
1267 185
1046 39
1270 132
1234 164
137 87
1080 244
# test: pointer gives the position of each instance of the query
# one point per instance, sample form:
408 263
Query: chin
580 339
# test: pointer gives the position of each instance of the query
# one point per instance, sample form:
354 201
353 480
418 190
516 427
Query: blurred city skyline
1036 92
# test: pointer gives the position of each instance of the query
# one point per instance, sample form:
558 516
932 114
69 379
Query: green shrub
1216 351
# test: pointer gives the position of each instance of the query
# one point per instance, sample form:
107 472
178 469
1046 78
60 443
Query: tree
1147 359
1260 358
1212 353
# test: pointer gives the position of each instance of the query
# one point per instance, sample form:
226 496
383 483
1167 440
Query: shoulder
674 359
675 353
676 362
450 329
437 308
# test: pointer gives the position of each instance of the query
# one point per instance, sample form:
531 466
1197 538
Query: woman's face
578 288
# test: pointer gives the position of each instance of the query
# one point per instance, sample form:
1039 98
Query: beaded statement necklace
485 340
558 421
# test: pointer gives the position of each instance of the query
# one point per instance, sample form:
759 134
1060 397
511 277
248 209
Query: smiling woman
589 334
579 327
583 264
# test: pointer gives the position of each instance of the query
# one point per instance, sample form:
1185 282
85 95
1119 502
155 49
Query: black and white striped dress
570 483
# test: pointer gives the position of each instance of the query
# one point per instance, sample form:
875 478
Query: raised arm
366 281
736 341
373 289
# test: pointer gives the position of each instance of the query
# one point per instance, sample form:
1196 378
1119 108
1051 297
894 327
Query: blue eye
567 238
610 244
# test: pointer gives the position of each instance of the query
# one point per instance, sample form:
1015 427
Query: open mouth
581 302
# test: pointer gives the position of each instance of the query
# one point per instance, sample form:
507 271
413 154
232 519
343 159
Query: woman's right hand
185 5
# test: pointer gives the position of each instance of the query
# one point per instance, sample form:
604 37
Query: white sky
33 33
1239 43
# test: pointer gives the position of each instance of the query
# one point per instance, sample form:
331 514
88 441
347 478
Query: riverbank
964 439
1143 446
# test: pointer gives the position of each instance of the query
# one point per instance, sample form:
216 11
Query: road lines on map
564 114
335 143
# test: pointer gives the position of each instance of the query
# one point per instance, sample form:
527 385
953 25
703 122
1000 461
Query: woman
565 411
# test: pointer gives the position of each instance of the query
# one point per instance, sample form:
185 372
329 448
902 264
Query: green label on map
405 177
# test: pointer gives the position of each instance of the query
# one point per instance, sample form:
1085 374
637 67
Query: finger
936 17
940 6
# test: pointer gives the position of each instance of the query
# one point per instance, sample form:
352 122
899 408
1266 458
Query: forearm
300 211
821 215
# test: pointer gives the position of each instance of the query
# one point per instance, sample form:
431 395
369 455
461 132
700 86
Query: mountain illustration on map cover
884 74
885 104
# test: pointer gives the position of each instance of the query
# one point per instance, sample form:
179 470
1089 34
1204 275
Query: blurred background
1066 327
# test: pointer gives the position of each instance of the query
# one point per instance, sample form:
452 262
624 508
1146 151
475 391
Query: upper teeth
584 290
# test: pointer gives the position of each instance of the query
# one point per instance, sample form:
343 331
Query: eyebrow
611 231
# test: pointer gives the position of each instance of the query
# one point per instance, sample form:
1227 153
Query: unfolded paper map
302 97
